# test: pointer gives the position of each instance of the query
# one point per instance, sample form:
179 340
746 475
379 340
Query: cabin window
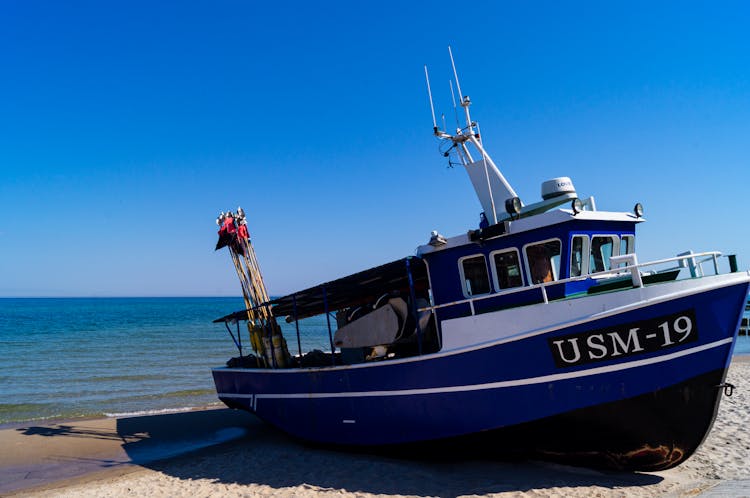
474 275
603 247
627 246
544 261
579 255
507 269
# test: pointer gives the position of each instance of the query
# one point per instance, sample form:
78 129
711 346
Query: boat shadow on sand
264 456
233 447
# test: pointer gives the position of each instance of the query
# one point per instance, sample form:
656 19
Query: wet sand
231 453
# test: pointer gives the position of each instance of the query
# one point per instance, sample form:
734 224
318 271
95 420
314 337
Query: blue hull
498 387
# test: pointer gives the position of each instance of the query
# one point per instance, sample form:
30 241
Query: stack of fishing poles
265 334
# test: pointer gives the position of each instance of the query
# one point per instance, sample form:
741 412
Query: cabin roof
353 290
533 222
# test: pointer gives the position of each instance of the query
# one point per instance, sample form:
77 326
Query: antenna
455 74
455 109
465 102
429 93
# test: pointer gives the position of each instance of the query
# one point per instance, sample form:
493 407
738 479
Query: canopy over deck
353 290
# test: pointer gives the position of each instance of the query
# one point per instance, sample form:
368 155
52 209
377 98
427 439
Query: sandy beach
230 453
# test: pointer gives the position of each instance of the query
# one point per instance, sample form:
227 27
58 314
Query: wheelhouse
495 268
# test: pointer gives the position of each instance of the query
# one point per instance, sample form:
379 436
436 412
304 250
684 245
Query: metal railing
687 260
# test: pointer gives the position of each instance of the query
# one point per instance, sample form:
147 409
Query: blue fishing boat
539 333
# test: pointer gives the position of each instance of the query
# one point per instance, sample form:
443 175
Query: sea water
69 358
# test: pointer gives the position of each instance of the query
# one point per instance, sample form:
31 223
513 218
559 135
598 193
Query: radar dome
557 187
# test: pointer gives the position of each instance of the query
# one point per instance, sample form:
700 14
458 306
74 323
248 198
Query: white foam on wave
161 411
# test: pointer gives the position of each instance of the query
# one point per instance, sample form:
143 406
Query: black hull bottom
654 431
650 432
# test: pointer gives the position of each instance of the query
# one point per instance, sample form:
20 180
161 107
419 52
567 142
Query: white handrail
631 261
710 255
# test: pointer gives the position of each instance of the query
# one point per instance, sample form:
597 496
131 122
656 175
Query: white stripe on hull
490 385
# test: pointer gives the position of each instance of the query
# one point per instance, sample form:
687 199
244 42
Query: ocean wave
183 393
110 378
189 392
27 412
6 408
161 411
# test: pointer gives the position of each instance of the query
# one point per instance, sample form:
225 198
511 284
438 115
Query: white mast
489 184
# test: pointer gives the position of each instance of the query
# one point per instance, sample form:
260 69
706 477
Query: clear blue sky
125 127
